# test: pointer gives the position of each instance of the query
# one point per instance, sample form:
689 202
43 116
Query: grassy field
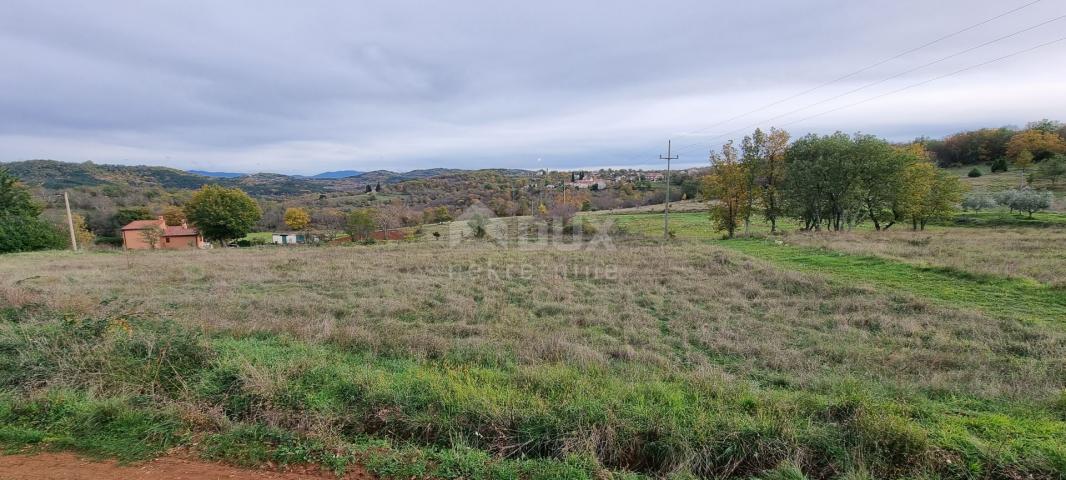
474 361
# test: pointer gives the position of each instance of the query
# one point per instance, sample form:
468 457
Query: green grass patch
1007 219
997 296
405 418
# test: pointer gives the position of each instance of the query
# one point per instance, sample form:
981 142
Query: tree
978 202
441 214
126 215
478 225
377 188
222 213
879 177
753 157
1040 144
81 232
298 219
821 181
1029 201
360 224
15 199
1045 125
21 233
999 165
152 235
1024 160
21 228
726 188
174 215
772 176
928 194
369 188
330 221
1053 168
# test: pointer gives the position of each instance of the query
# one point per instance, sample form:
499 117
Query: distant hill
54 175
337 174
217 174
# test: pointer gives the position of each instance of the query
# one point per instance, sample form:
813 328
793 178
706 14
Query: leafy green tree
21 228
1052 168
879 178
15 198
20 233
222 213
821 181
126 215
360 224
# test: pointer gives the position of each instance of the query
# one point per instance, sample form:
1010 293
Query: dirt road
65 466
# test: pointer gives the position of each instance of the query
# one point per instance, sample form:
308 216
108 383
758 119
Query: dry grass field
479 361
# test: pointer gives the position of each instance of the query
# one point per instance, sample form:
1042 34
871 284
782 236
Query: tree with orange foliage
1042 145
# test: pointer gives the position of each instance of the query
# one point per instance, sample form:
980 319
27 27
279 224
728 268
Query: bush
109 241
978 202
20 233
974 173
1000 165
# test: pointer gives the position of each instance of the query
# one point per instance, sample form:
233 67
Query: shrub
978 202
1000 165
974 173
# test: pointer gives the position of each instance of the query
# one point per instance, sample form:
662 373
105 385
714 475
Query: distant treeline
1042 139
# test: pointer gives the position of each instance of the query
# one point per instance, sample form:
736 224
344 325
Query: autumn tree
1024 160
174 215
82 233
222 213
928 193
1040 144
298 219
726 187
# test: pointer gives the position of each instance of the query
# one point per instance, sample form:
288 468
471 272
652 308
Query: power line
868 67
873 65
877 82
923 82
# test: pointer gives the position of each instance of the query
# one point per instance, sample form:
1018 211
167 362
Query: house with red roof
155 233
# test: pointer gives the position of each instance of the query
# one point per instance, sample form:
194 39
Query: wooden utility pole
70 224
666 209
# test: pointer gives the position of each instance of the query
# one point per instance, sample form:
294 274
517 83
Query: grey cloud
301 87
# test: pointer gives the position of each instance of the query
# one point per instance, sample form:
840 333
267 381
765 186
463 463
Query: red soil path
65 466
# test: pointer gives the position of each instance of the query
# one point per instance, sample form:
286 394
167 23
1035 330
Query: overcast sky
305 87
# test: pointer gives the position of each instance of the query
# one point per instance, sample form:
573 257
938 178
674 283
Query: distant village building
652 176
288 238
590 183
141 234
